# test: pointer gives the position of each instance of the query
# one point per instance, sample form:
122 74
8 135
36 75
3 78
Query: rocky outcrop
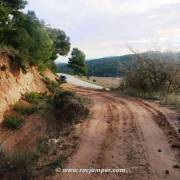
14 83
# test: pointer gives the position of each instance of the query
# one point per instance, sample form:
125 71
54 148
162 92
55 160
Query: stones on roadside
108 121
176 166
175 146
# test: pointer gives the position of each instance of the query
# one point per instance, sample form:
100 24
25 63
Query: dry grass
172 99
107 82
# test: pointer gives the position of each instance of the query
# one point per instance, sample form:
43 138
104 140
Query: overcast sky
108 27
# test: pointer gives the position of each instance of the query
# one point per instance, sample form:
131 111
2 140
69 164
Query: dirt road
125 133
78 82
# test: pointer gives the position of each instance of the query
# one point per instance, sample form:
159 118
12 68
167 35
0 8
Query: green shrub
61 98
13 122
171 99
17 165
51 85
84 101
25 110
151 74
43 146
34 97
68 107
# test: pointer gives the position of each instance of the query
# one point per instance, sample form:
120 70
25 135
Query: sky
103 28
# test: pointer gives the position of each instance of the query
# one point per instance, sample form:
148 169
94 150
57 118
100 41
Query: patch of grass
164 98
84 101
13 122
43 146
51 85
49 169
24 110
139 93
34 97
68 107
171 99
17 165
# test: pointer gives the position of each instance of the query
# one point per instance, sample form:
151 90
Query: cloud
105 27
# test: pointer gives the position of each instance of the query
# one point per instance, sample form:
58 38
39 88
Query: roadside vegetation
28 41
25 110
60 110
13 122
153 77
51 85
17 165
33 97
68 107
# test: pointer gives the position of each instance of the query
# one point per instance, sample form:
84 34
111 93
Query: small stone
166 171
159 150
175 146
176 166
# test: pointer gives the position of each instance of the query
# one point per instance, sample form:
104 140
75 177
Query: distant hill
111 66
104 67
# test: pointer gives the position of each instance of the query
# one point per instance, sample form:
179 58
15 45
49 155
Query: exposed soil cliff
14 83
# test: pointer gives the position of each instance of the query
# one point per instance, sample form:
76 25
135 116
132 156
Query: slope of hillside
108 67
104 67
112 66
14 83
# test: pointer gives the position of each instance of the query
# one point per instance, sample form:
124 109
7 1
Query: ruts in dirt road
128 133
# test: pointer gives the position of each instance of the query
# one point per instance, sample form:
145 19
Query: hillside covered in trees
27 40
113 66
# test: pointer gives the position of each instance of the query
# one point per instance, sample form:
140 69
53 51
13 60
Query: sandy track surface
124 133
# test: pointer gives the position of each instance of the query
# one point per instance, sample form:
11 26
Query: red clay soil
125 133
25 138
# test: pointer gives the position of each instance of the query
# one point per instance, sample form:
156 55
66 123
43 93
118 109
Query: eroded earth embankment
14 83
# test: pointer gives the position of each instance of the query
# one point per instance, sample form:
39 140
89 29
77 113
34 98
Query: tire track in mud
155 129
169 131
130 144
121 133
92 137
120 145
158 162
136 154
161 121
105 159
